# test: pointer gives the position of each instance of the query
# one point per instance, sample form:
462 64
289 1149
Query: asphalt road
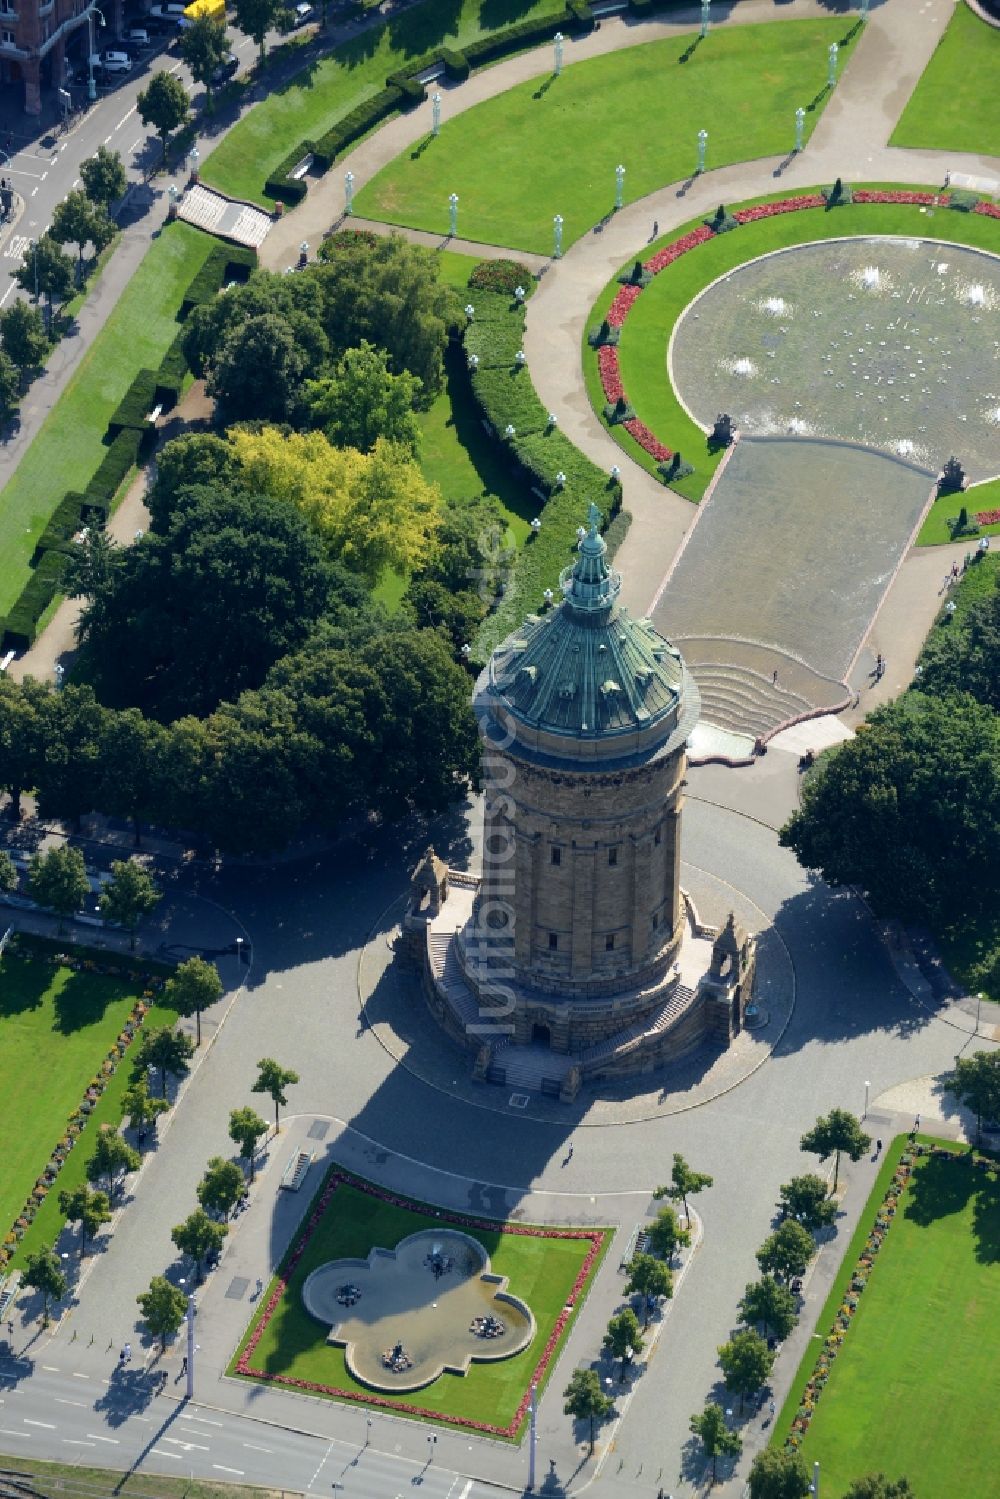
47 1411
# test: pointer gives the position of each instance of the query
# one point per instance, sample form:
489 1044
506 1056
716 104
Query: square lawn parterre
57 1024
912 1391
550 1268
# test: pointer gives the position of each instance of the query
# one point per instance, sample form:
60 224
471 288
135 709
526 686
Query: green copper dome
587 670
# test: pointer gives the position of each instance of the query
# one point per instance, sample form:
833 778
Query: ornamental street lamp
706 6
557 229
453 215
348 193
619 185
702 148
800 121
831 74
558 39
91 83
436 114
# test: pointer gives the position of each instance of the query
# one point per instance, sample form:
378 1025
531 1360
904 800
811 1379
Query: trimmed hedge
516 38
122 455
412 90
502 275
494 306
135 405
354 125
281 184
508 396
456 65
225 263
581 16
495 344
36 596
65 523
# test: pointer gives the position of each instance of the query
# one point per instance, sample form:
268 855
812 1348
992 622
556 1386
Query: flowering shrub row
988 517
78 1119
491 1225
842 1322
607 356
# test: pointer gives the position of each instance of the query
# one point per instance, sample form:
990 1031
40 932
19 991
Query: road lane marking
159 1452
76 1442
80 1376
221 1469
179 1442
108 137
94 1437
34 190
7 1431
254 1448
138 141
124 118
203 1419
2 301
81 1403
50 1368
49 1425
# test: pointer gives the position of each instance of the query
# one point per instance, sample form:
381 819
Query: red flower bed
611 379
780 205
988 517
618 311
647 440
491 1225
876 195
991 210
670 253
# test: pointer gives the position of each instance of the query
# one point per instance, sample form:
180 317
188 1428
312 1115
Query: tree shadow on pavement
128 1394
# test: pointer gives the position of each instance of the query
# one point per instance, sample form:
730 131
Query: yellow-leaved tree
373 511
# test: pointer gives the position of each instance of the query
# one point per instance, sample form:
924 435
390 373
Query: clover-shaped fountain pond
407 1315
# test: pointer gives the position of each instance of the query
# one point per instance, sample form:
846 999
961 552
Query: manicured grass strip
313 102
646 332
541 1270
552 147
56 1027
956 104
979 497
922 1340
69 447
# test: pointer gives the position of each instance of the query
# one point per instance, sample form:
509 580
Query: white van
138 37
116 62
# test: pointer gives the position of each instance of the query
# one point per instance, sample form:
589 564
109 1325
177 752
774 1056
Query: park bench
294 1173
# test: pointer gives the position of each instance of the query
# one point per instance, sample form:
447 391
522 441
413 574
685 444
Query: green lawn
935 530
69 447
646 333
540 1270
956 104
56 1027
333 85
912 1390
548 148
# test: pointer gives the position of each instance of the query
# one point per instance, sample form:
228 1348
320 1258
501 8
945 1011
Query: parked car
168 12
116 62
304 13
138 37
227 69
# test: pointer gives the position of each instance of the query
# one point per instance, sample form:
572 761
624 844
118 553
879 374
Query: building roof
586 669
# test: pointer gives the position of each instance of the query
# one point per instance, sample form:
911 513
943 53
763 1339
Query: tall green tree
715 1436
133 754
623 1338
23 336
46 271
779 1473
835 1134
649 1278
256 18
963 654
909 811
10 385
43 1272
806 1198
164 105
221 1188
89 1209
976 1083
113 1158
140 1108
746 1363
9 878
787 1251
246 1128
362 400
195 986
685 1182
585 1400
163 1308
204 45
877 1486
129 895
666 1235
273 1079
259 372
79 221
58 879
103 177
22 736
198 1237
69 776
771 1306
166 1049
